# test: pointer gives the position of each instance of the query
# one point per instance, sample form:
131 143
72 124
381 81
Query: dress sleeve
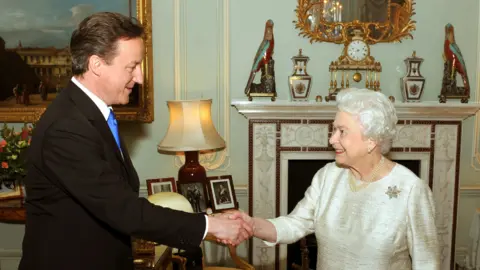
422 237
300 222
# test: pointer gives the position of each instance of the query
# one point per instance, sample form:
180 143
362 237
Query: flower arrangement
12 153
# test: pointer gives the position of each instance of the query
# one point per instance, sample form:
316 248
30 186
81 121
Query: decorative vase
413 83
300 82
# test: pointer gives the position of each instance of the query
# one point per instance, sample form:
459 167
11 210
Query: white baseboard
241 191
470 190
10 258
460 254
143 192
10 253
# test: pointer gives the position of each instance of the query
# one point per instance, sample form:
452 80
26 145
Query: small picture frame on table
222 193
11 189
196 194
161 185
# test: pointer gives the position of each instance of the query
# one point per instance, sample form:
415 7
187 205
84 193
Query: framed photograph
196 193
11 190
222 193
36 63
161 185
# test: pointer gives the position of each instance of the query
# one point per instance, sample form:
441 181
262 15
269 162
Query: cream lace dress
390 224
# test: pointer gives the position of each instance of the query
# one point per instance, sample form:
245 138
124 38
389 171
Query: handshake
231 227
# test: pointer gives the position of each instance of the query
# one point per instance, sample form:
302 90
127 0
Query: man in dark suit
82 189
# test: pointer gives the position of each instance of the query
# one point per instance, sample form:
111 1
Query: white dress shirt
102 106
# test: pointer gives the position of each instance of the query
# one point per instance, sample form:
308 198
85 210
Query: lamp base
192 171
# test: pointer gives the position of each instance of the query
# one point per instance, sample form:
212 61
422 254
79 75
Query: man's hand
236 214
229 230
261 228
248 222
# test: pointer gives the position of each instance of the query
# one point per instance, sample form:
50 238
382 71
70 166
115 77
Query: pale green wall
202 70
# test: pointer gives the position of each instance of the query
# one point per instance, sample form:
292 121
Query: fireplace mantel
326 110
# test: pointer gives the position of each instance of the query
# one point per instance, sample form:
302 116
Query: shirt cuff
275 224
206 227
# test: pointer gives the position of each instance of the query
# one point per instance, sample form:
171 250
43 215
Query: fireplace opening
300 174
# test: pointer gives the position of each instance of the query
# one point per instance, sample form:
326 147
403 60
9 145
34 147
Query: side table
12 211
161 259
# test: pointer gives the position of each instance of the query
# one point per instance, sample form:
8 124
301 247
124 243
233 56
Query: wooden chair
181 262
239 262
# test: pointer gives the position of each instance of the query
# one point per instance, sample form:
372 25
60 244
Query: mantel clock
356 63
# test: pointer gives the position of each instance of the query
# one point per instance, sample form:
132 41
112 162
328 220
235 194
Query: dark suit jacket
82 197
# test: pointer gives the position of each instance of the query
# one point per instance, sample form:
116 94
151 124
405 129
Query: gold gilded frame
143 112
401 27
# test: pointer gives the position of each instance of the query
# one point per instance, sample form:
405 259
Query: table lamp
191 130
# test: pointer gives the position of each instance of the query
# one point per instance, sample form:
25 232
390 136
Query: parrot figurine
263 55
452 54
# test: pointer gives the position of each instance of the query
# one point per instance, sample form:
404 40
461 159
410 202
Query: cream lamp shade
191 127
171 200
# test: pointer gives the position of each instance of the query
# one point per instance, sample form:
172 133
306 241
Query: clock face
357 50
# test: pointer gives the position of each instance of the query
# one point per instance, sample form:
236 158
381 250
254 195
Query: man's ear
95 64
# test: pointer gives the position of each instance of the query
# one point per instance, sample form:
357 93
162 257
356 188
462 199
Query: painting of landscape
35 62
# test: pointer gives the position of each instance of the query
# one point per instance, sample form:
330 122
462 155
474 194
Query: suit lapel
93 114
102 126
133 176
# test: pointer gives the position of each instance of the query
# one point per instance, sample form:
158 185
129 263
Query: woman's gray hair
375 112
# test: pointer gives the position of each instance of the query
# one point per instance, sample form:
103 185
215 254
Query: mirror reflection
382 20
333 11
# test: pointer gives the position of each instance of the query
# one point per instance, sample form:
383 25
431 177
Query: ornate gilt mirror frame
141 110
312 24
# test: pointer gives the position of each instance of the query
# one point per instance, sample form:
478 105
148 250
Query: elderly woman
366 211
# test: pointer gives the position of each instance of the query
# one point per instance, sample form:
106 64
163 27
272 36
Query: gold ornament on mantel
355 63
357 76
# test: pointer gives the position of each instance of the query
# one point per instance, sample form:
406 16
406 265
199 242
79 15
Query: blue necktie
112 123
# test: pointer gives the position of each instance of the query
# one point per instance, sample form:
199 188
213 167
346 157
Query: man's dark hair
98 35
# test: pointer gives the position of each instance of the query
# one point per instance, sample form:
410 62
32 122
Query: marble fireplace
282 131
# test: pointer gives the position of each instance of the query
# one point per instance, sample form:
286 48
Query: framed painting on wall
35 62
